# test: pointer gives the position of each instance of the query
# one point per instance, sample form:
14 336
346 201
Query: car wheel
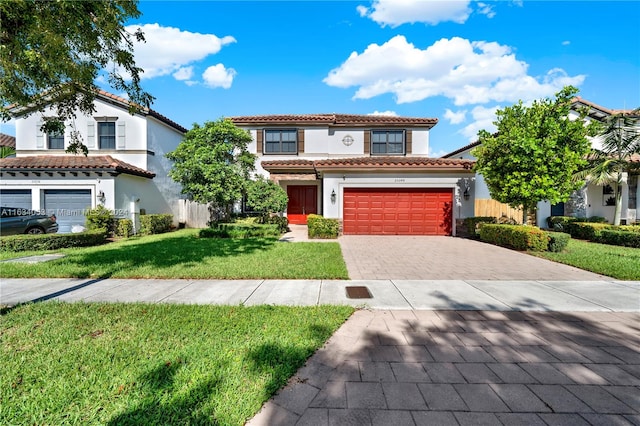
35 231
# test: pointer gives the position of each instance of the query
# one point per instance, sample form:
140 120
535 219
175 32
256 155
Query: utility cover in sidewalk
358 292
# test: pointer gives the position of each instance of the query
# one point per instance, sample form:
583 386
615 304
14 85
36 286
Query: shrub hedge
124 228
53 241
473 224
240 231
100 218
322 227
586 231
280 221
619 238
155 223
557 241
518 237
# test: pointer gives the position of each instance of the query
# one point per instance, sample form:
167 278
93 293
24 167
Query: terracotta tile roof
7 140
148 111
394 162
70 163
579 101
415 163
334 120
287 164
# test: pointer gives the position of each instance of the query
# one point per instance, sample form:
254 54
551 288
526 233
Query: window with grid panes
389 142
283 141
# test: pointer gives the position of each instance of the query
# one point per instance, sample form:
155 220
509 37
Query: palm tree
620 142
6 151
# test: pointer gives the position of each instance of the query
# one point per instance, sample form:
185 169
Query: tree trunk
618 212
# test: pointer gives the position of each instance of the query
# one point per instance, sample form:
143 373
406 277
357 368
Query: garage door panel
397 211
16 198
69 205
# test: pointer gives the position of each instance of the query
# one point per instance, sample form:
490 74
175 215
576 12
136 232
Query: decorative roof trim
370 163
333 120
71 163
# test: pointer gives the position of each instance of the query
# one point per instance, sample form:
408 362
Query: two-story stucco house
371 172
592 199
126 169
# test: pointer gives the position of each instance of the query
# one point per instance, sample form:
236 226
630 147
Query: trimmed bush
240 231
124 228
280 221
100 218
473 224
155 223
53 241
322 227
629 228
558 241
619 238
586 231
559 223
519 237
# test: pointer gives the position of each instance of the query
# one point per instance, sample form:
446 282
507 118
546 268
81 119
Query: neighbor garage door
16 198
397 211
69 205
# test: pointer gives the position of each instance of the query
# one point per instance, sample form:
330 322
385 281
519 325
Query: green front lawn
114 364
182 255
622 263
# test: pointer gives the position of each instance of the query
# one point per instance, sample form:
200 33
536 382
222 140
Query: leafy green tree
266 196
620 139
51 53
213 165
535 152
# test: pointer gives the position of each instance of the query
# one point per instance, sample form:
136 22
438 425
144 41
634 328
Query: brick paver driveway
468 368
446 258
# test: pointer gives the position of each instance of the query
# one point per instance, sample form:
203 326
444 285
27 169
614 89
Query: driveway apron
447 258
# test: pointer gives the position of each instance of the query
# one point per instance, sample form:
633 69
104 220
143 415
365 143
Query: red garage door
397 211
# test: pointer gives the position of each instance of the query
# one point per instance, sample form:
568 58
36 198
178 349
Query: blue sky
453 60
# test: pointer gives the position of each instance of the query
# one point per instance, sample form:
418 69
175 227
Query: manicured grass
182 255
152 364
622 263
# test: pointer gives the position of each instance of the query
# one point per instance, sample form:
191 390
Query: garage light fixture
333 196
466 194
101 198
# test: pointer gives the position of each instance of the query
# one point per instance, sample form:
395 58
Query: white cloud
486 9
483 119
455 117
468 72
384 113
566 43
398 12
219 76
184 73
168 50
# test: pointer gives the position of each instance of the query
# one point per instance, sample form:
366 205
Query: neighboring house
372 173
591 200
126 170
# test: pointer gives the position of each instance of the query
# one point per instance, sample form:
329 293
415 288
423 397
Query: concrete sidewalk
559 296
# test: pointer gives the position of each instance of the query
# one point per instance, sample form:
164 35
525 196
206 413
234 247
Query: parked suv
15 220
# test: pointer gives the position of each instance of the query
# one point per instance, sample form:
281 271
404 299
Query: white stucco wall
29 137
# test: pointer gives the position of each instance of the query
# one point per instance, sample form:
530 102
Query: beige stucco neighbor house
373 173
591 200
126 169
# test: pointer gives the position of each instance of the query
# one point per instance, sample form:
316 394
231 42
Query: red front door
302 202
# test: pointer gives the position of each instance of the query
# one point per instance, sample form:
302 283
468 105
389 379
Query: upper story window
389 142
106 135
55 141
280 141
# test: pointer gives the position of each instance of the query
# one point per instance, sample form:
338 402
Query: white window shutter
91 135
39 136
121 134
